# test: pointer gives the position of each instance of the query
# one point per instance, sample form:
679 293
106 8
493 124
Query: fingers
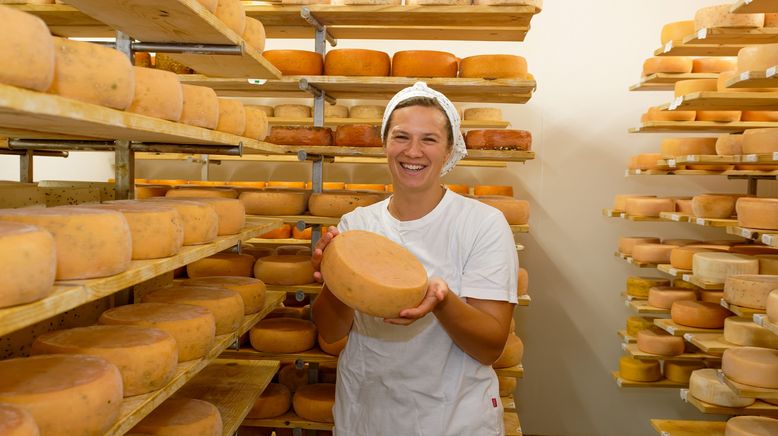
318 251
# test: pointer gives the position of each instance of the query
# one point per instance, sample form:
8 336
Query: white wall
584 56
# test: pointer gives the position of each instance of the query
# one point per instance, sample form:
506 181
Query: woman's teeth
412 167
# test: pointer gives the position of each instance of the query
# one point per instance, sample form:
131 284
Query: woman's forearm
332 317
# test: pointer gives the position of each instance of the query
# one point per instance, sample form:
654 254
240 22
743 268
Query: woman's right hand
318 251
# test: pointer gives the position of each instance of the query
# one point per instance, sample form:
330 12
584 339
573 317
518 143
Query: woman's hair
425 102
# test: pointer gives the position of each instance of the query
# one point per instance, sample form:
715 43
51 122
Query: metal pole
124 163
305 13
44 144
43 153
236 150
203 49
26 167
204 168
752 185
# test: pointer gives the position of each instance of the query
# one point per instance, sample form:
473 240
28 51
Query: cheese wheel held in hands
373 274
15 421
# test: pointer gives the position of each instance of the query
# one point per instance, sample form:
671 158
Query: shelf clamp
322 34
752 180
304 85
59 145
201 49
236 150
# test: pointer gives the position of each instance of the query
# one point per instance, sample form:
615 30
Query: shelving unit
668 427
632 350
666 81
725 101
661 384
700 126
711 343
759 408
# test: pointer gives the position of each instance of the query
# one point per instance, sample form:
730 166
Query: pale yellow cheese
757 57
257 126
158 93
483 114
648 207
716 267
251 290
283 335
620 201
335 111
744 332
200 106
654 340
677 31
751 366
749 290
667 65
338 203
292 111
26 49
372 112
706 386
657 114
232 116
685 87
182 416
721 16
226 305
28 263
274 202
284 270
200 220
231 212
760 141
681 371
758 213
714 65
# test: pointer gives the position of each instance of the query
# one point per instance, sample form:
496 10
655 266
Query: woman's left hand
437 289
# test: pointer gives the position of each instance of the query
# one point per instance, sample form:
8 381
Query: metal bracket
124 44
60 145
203 49
299 364
204 168
26 166
316 92
321 30
313 372
236 150
300 225
124 163
41 153
299 295
752 181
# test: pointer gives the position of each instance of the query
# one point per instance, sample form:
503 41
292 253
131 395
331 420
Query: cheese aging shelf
669 427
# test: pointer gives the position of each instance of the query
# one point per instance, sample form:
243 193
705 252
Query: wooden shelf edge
671 427
661 384
288 420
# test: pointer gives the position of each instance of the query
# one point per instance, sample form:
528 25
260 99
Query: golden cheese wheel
283 335
274 202
182 416
493 67
356 62
226 305
275 400
333 348
158 94
27 45
285 270
314 402
28 263
15 421
511 354
251 290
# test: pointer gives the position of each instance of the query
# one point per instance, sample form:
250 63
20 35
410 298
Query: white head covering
420 89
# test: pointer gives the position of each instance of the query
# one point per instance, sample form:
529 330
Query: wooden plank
740 310
762 320
732 36
675 272
664 383
508 404
746 390
706 222
627 339
755 6
768 158
633 351
288 420
642 307
706 285
675 216
70 294
677 48
313 355
611 213
712 343
674 329
335 122
724 101
511 424
275 242
669 427
755 79
759 408
666 81
524 300
438 32
233 386
308 219
765 236
514 371
701 126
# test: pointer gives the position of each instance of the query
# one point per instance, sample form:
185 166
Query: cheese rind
25 41
751 426
158 94
274 202
653 253
656 114
715 65
482 114
284 270
699 314
200 220
640 286
283 335
676 31
493 67
758 213
714 205
685 87
749 290
182 416
681 371
318 136
686 146
231 212
296 62
373 112
721 16
232 14
706 386
638 323
200 106
716 267
337 204
648 207
639 370
90 386
333 348
293 111
257 126
516 211
225 305
232 117
656 341
663 297
683 257
620 200
15 421
254 34
751 366
760 141
28 263
744 332
314 402
499 139
512 352
424 63
667 65
275 400
251 290
359 135
356 62
757 57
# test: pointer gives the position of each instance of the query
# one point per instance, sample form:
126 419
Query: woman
427 372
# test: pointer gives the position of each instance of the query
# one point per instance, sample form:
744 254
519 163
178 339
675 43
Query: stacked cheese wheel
648 371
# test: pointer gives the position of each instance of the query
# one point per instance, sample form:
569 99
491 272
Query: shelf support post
752 185
322 35
26 166
204 167
124 163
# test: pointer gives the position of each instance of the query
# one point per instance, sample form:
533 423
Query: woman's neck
409 206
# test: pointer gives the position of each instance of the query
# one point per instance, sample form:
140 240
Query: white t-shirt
414 380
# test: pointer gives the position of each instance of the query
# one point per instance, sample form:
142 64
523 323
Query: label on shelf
624 347
702 33
668 46
745 76
769 73
749 158
684 394
257 81
626 303
769 239
699 221
692 158
671 163
675 103
724 304
759 319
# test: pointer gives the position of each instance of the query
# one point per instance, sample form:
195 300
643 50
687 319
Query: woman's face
417 147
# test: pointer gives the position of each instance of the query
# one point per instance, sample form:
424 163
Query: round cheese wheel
232 117
639 370
656 114
373 274
200 220
762 116
283 232
358 135
333 348
296 62
293 249
493 67
158 94
293 378
716 267
167 63
232 14
714 65
719 116
751 426
257 126
283 335
356 62
377 187
225 305
687 146
459 189
146 357
274 202
640 286
627 243
25 43
293 111
516 212
28 263
706 386
88 72
757 57
638 323
104 250
221 264
493 190
760 141
685 87
254 34
284 270
197 193
620 201
648 207
275 400
682 257
714 205
663 297
657 341
424 63
699 314
302 234
320 136
729 144
647 161
15 421
231 212
268 110
251 290
653 253
335 111
749 290
339 203
192 327
200 106
684 206
507 385
90 386
751 366
667 64
499 139
677 31
721 16
743 332
314 402
370 112
512 353
483 114
182 416
681 371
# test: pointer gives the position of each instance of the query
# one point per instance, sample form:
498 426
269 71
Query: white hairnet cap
420 89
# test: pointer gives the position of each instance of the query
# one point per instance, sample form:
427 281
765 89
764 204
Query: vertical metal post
204 167
124 44
317 171
752 185
321 40
124 162
26 166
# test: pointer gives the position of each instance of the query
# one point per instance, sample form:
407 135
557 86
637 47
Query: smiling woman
428 371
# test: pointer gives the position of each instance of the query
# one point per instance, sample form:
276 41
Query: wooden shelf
626 338
312 355
233 386
642 307
755 79
342 87
134 409
612 213
751 159
676 172
664 383
671 427
666 81
732 37
288 420
705 285
631 260
182 21
706 222
762 320
335 122
725 101
746 312
760 408
261 241
678 48
632 350
746 390
379 152
700 126
524 300
767 237
508 404
511 423
675 272
755 6
711 343
674 329
514 371
30 114
71 294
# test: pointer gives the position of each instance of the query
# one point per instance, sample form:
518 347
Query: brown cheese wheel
275 400
356 62
338 203
221 264
499 139
283 335
182 416
358 135
251 290
226 305
424 63
321 136
296 62
493 67
516 211
285 270
314 402
141 59
699 314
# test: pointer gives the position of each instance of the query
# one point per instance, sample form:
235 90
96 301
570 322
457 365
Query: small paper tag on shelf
702 33
692 158
775 155
626 303
671 163
668 46
770 72
768 239
744 75
675 103
724 304
759 319
749 158
624 347
257 81
700 221
684 394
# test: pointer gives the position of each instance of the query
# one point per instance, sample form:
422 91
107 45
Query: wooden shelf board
511 423
740 310
261 241
611 213
342 87
514 371
628 297
678 48
706 222
233 386
733 36
134 409
711 343
767 237
524 300
759 408
64 20
762 320
672 427
642 307
335 122
674 329
508 403
42 115
700 126
702 173
755 6
675 216
755 79
71 294
379 152
726 101
675 272
310 289
288 420
626 338
664 383
708 286
182 21
312 355
666 81
746 390
633 351
520 228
